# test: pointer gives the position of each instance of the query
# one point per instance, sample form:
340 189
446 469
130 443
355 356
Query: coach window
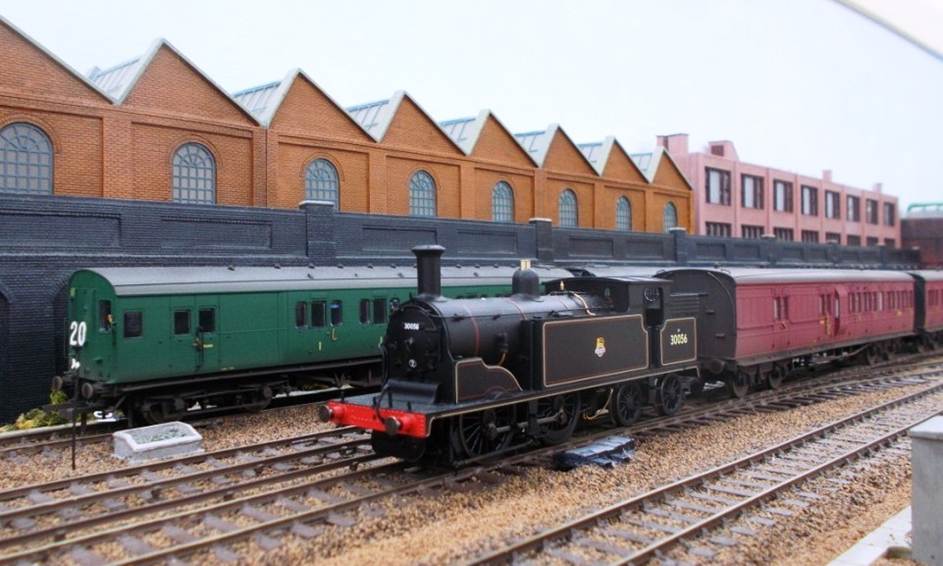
301 314
337 313
321 181
670 217
623 214
422 191
207 320
502 202
379 311
104 316
133 324
25 160
317 314
182 322
364 311
194 175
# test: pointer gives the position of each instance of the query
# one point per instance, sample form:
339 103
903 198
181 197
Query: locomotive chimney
525 280
429 269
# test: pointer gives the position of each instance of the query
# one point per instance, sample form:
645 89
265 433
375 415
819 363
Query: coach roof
138 281
761 276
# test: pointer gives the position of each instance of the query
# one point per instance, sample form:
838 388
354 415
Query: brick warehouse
122 132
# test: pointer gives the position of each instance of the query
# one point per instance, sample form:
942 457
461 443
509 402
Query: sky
803 85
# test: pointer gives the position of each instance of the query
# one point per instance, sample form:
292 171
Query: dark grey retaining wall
44 239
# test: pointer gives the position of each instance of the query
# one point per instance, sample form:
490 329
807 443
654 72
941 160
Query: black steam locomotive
468 378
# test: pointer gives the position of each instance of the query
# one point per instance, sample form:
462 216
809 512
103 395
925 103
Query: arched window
194 175
569 214
670 217
25 160
421 194
321 181
623 214
502 203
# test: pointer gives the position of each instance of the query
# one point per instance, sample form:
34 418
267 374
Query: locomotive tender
153 341
467 379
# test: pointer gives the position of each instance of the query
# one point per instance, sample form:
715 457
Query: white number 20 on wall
77 334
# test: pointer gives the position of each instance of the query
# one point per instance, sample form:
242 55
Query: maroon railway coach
759 324
929 304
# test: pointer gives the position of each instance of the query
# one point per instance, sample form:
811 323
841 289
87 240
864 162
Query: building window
502 203
782 196
569 213
832 205
784 234
810 201
623 214
752 232
670 217
718 187
194 179
853 205
810 236
321 181
422 194
872 241
889 214
752 191
871 211
853 240
890 242
833 237
719 229
25 160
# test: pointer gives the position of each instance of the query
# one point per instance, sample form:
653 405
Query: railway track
206 503
14 446
690 510
21 443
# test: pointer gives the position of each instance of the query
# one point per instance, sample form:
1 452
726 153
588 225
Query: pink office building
739 199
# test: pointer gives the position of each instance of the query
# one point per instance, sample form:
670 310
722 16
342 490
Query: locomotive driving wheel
486 431
626 404
670 395
559 415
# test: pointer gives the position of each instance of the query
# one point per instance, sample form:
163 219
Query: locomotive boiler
467 378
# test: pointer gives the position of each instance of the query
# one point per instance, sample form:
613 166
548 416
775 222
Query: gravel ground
464 525
225 432
824 530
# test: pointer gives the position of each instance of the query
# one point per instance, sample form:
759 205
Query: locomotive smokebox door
679 341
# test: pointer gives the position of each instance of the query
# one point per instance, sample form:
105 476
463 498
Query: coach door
193 333
830 311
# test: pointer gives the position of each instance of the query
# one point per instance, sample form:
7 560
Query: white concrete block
927 491
164 440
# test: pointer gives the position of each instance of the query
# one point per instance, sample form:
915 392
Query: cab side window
104 316
133 324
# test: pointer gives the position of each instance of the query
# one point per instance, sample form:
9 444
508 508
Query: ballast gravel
29 467
455 527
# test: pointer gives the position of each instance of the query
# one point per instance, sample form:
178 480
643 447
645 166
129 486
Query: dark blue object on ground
606 452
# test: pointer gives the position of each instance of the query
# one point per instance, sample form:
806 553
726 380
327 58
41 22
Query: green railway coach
154 341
